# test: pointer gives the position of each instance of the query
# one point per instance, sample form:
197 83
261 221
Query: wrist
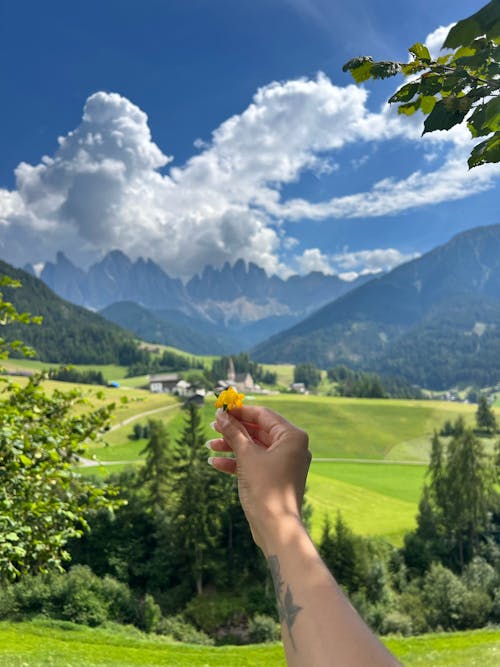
279 531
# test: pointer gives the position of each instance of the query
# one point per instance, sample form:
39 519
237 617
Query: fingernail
221 417
208 444
212 426
210 460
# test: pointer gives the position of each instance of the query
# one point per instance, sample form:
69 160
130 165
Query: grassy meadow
369 455
58 644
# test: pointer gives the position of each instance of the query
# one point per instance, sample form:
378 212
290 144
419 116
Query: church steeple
231 373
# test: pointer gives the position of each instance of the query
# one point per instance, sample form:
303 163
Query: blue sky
200 131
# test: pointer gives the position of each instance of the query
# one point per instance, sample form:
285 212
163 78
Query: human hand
271 461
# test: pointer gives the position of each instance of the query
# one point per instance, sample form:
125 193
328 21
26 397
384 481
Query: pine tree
154 475
485 417
198 496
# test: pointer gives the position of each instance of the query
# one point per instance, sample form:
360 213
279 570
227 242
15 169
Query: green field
379 450
375 499
376 450
58 644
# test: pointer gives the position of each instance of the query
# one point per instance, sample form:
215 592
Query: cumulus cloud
350 265
313 259
370 261
104 188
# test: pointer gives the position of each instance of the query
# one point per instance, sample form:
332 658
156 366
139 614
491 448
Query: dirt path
91 463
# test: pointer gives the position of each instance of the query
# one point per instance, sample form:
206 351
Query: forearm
320 628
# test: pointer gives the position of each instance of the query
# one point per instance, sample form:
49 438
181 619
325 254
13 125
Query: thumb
233 431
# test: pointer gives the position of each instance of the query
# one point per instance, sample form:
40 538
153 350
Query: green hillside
54 644
375 496
69 333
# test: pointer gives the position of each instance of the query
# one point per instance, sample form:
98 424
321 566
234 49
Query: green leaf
409 108
362 73
430 84
476 122
420 51
443 117
354 63
484 22
492 114
25 460
384 69
405 93
427 103
486 151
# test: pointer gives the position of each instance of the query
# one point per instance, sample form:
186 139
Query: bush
479 576
410 604
149 614
262 629
444 594
31 595
78 596
7 603
182 631
476 609
85 607
396 623
210 612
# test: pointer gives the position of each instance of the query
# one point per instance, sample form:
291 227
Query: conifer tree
198 498
485 417
155 473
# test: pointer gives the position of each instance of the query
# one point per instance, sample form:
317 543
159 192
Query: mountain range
208 314
434 321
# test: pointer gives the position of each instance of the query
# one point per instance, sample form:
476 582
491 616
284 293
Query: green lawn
57 644
374 499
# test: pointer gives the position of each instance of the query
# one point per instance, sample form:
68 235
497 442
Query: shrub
7 603
396 623
444 594
182 631
479 576
31 596
476 609
149 614
262 629
209 612
84 606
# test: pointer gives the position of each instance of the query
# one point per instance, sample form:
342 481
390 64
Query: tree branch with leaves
460 86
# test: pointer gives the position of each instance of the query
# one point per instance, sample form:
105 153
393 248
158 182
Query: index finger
263 418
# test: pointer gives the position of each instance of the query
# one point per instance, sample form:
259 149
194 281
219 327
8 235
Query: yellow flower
229 399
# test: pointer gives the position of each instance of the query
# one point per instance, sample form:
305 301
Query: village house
163 383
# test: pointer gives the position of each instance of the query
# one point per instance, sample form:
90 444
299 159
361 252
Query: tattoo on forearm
287 609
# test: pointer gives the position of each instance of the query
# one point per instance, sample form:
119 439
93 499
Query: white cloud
103 188
314 260
349 265
363 262
434 41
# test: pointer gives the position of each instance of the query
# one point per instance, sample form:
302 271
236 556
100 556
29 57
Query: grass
374 499
367 428
58 644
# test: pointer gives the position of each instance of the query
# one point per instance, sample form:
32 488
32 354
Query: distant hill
167 328
434 320
69 333
234 307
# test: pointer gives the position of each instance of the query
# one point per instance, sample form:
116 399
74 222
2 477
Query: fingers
224 464
233 431
218 445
